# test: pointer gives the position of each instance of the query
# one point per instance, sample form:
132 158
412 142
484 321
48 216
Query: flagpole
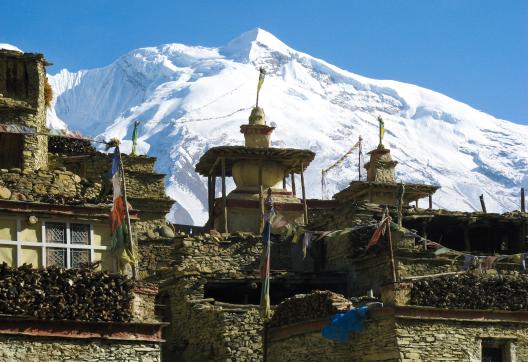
391 249
127 215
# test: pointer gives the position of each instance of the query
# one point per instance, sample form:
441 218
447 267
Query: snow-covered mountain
190 98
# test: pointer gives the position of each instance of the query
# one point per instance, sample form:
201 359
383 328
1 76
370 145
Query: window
59 243
496 350
76 244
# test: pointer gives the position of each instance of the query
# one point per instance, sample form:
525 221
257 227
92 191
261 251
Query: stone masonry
19 348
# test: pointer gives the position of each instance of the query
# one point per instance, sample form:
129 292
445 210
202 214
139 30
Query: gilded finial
262 74
381 131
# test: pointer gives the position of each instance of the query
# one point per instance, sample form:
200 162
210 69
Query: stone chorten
381 186
255 167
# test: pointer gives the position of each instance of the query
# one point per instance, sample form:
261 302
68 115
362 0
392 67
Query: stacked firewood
69 146
472 291
303 307
69 294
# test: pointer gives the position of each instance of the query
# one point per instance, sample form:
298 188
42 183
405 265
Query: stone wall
155 256
427 340
58 186
206 330
36 349
377 342
24 104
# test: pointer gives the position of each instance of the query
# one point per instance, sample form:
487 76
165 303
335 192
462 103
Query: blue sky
473 51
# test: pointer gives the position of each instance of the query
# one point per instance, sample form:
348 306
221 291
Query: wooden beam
430 202
304 194
261 197
224 197
293 184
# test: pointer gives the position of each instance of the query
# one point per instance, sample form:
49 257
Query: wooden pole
304 195
430 202
127 216
284 182
265 341
261 197
210 199
224 197
424 233
294 192
213 195
482 203
212 175
523 203
359 159
401 192
391 248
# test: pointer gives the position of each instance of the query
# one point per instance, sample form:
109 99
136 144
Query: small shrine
381 186
255 168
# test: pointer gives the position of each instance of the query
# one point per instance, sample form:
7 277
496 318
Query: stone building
55 203
444 286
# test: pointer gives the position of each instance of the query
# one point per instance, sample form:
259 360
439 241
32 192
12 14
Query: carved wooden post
304 195
224 198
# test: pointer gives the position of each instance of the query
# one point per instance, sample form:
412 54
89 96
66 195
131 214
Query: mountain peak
6 46
246 46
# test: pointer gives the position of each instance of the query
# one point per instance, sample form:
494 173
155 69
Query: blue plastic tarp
342 324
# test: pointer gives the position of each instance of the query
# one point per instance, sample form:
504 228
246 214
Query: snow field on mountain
190 98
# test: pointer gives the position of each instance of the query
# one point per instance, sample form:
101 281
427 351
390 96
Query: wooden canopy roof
412 191
289 157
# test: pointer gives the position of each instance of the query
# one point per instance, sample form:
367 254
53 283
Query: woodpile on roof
66 294
472 291
304 307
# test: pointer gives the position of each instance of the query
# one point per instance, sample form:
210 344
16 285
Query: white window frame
43 244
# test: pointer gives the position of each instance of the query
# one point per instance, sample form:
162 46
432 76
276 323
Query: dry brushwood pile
69 146
303 307
69 294
472 291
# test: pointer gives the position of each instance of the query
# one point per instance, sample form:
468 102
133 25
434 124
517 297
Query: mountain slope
190 98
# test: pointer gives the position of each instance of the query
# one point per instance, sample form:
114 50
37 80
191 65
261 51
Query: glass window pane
79 257
56 257
80 234
55 232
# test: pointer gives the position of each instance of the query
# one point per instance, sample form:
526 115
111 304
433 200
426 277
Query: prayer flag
377 234
134 138
261 79
119 243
